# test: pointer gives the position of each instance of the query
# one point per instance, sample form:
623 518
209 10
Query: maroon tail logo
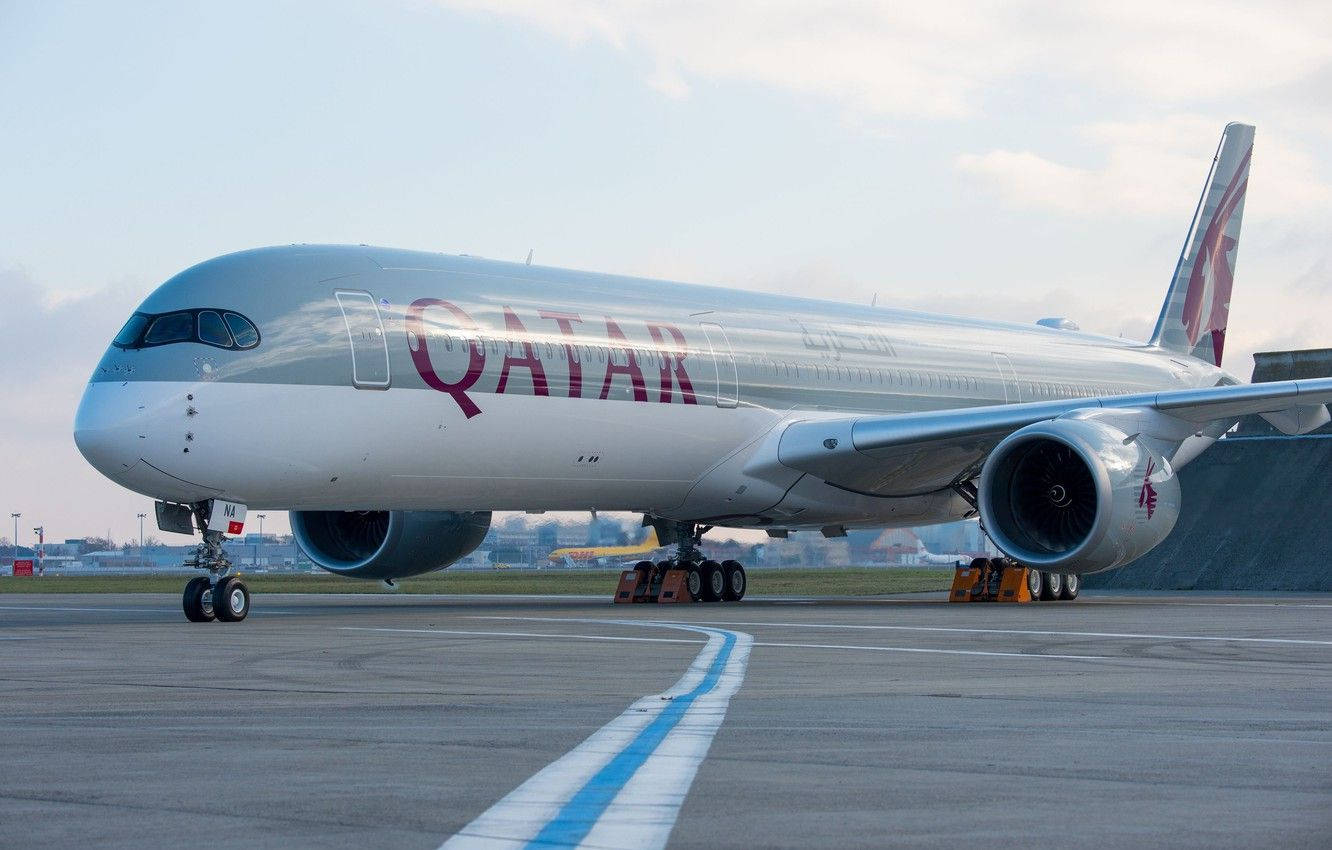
1207 302
1147 495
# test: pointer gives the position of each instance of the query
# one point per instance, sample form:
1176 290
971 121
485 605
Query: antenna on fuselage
529 257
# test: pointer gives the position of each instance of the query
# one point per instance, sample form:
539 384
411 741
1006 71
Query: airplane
598 554
390 400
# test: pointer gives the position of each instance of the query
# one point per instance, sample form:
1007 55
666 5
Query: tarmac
1183 720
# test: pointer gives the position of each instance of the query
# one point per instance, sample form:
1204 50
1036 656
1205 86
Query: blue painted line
575 820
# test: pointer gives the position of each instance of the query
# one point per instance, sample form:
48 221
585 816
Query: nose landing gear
220 595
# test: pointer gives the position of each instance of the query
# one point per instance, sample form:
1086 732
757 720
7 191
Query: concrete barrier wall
1257 515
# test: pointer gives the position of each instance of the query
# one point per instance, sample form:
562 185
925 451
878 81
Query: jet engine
1076 496
387 544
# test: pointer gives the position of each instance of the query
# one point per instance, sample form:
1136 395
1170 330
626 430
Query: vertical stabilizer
1197 307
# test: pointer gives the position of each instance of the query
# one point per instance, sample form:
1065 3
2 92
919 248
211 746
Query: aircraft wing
913 453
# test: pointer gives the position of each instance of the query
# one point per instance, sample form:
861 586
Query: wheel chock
990 580
634 586
628 589
966 580
674 588
1013 585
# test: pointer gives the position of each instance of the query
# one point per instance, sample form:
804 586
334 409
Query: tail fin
1197 307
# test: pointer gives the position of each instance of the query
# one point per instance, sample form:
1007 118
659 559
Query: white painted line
1176 602
68 608
962 630
557 635
1042 632
939 651
624 785
166 609
517 634
384 596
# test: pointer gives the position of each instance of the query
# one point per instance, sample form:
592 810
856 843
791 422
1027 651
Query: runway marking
778 645
624 785
518 634
164 609
67 608
963 630
936 651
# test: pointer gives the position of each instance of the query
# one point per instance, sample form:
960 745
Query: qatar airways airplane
390 400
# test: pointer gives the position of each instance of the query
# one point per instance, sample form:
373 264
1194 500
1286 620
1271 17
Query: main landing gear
219 595
1002 580
687 577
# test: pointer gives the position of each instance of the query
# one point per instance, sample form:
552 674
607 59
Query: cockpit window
209 326
212 331
133 328
242 329
173 327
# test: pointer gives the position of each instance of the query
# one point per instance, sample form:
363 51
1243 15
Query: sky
1007 159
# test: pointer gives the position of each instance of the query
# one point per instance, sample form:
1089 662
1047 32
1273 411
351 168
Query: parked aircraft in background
571 555
392 399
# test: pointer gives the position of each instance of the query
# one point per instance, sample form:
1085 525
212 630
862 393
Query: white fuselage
396 380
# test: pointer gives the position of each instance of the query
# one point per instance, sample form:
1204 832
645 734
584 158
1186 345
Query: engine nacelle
1076 496
387 544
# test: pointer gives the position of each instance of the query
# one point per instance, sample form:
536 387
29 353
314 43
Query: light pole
16 519
261 540
141 516
40 531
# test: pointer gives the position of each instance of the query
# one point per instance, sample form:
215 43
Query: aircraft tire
1036 584
1072 584
197 609
714 581
736 581
231 600
694 582
1053 585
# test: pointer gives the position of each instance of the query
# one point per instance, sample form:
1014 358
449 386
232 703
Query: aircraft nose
106 433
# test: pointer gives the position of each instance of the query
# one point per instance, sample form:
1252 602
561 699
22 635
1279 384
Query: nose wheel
228 601
231 600
218 596
198 600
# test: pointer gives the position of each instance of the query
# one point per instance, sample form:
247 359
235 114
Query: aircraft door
365 332
723 360
1007 374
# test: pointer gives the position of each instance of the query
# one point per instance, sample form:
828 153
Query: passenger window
242 330
173 327
212 330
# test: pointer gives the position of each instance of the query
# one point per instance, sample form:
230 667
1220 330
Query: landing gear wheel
1054 585
1035 584
231 600
198 600
714 581
694 582
1072 584
736 581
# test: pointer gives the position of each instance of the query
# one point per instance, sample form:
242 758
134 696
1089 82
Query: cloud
938 60
1147 168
